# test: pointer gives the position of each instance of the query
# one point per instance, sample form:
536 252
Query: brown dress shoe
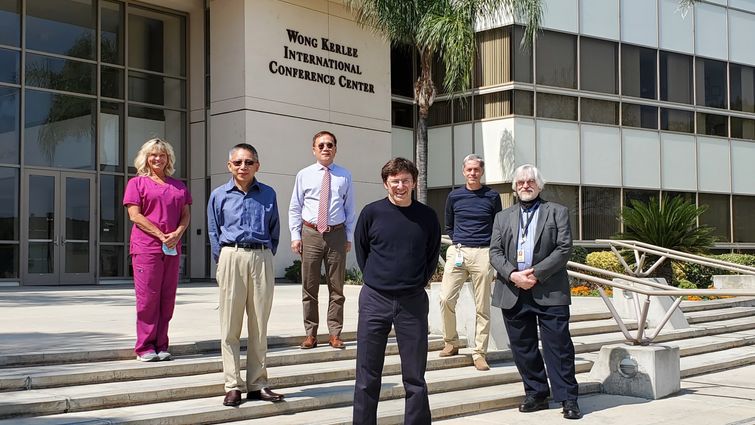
266 394
336 342
448 351
309 342
232 398
481 364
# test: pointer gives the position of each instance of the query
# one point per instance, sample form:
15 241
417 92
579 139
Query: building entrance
58 218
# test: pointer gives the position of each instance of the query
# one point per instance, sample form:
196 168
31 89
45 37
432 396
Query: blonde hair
156 144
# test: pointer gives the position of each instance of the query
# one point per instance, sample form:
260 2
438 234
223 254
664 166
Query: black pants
408 315
522 322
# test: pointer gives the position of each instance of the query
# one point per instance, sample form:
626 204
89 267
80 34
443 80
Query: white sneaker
149 356
164 355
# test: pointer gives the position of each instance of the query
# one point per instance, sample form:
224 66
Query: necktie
322 211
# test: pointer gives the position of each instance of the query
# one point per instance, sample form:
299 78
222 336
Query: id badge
459 256
520 256
169 251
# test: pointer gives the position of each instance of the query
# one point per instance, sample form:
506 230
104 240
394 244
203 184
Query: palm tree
670 224
442 28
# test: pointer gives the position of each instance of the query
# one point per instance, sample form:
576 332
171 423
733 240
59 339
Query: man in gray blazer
529 249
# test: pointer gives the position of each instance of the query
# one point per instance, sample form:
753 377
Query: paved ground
85 318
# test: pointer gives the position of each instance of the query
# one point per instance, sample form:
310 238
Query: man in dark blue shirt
470 211
243 226
397 242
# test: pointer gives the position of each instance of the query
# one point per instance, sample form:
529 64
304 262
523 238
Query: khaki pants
317 248
477 267
246 281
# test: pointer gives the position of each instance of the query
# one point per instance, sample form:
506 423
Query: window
10 22
742 128
401 114
494 53
145 123
567 196
493 105
557 59
9 222
677 120
599 65
439 113
462 109
599 111
60 74
111 36
712 125
600 212
717 214
688 197
638 71
110 137
156 42
402 75
676 77
742 208
10 64
10 115
710 83
742 87
157 90
63 27
641 195
641 116
523 102
556 106
522 58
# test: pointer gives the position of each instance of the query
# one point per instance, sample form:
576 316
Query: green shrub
702 276
578 254
743 259
605 260
354 276
293 272
686 284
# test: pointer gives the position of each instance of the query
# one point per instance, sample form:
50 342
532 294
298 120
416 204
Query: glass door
59 228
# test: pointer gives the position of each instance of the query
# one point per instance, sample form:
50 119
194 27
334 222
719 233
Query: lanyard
530 215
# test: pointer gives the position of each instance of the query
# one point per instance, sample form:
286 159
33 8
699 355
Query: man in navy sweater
470 211
397 242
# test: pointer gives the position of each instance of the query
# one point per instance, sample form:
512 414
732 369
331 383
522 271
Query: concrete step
690 306
57 375
719 314
301 398
716 361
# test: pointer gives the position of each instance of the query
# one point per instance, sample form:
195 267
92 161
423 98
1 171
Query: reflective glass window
111 209
677 120
599 111
145 123
742 211
10 65
600 212
60 74
59 130
522 57
717 214
402 74
742 86
494 54
439 113
676 77
111 136
713 125
64 27
556 106
157 90
111 261
567 196
111 35
10 121
9 198
524 102
10 22
638 71
156 41
599 61
111 82
462 109
401 114
641 116
641 195
742 128
557 59
710 83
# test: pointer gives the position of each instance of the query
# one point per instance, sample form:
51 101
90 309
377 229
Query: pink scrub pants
155 284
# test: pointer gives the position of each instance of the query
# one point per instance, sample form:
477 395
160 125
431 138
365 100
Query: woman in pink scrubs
158 205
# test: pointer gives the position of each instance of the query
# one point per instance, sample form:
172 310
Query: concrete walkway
88 318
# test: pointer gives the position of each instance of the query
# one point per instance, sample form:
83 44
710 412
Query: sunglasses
247 162
322 146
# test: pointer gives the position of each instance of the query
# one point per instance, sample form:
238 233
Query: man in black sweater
397 242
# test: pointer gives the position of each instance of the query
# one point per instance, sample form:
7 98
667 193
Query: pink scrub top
161 204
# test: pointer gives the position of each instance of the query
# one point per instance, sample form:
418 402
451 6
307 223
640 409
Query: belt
327 229
245 245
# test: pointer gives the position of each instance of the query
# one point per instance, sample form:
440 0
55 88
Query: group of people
397 243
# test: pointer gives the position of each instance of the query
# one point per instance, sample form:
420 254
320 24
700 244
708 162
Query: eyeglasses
397 182
247 162
322 146
529 182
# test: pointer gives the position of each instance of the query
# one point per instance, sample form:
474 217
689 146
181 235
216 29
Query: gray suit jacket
553 244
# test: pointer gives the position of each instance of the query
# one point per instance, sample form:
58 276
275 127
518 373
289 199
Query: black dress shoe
232 398
533 404
571 410
266 394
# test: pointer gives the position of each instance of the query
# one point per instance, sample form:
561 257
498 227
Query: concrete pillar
650 372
